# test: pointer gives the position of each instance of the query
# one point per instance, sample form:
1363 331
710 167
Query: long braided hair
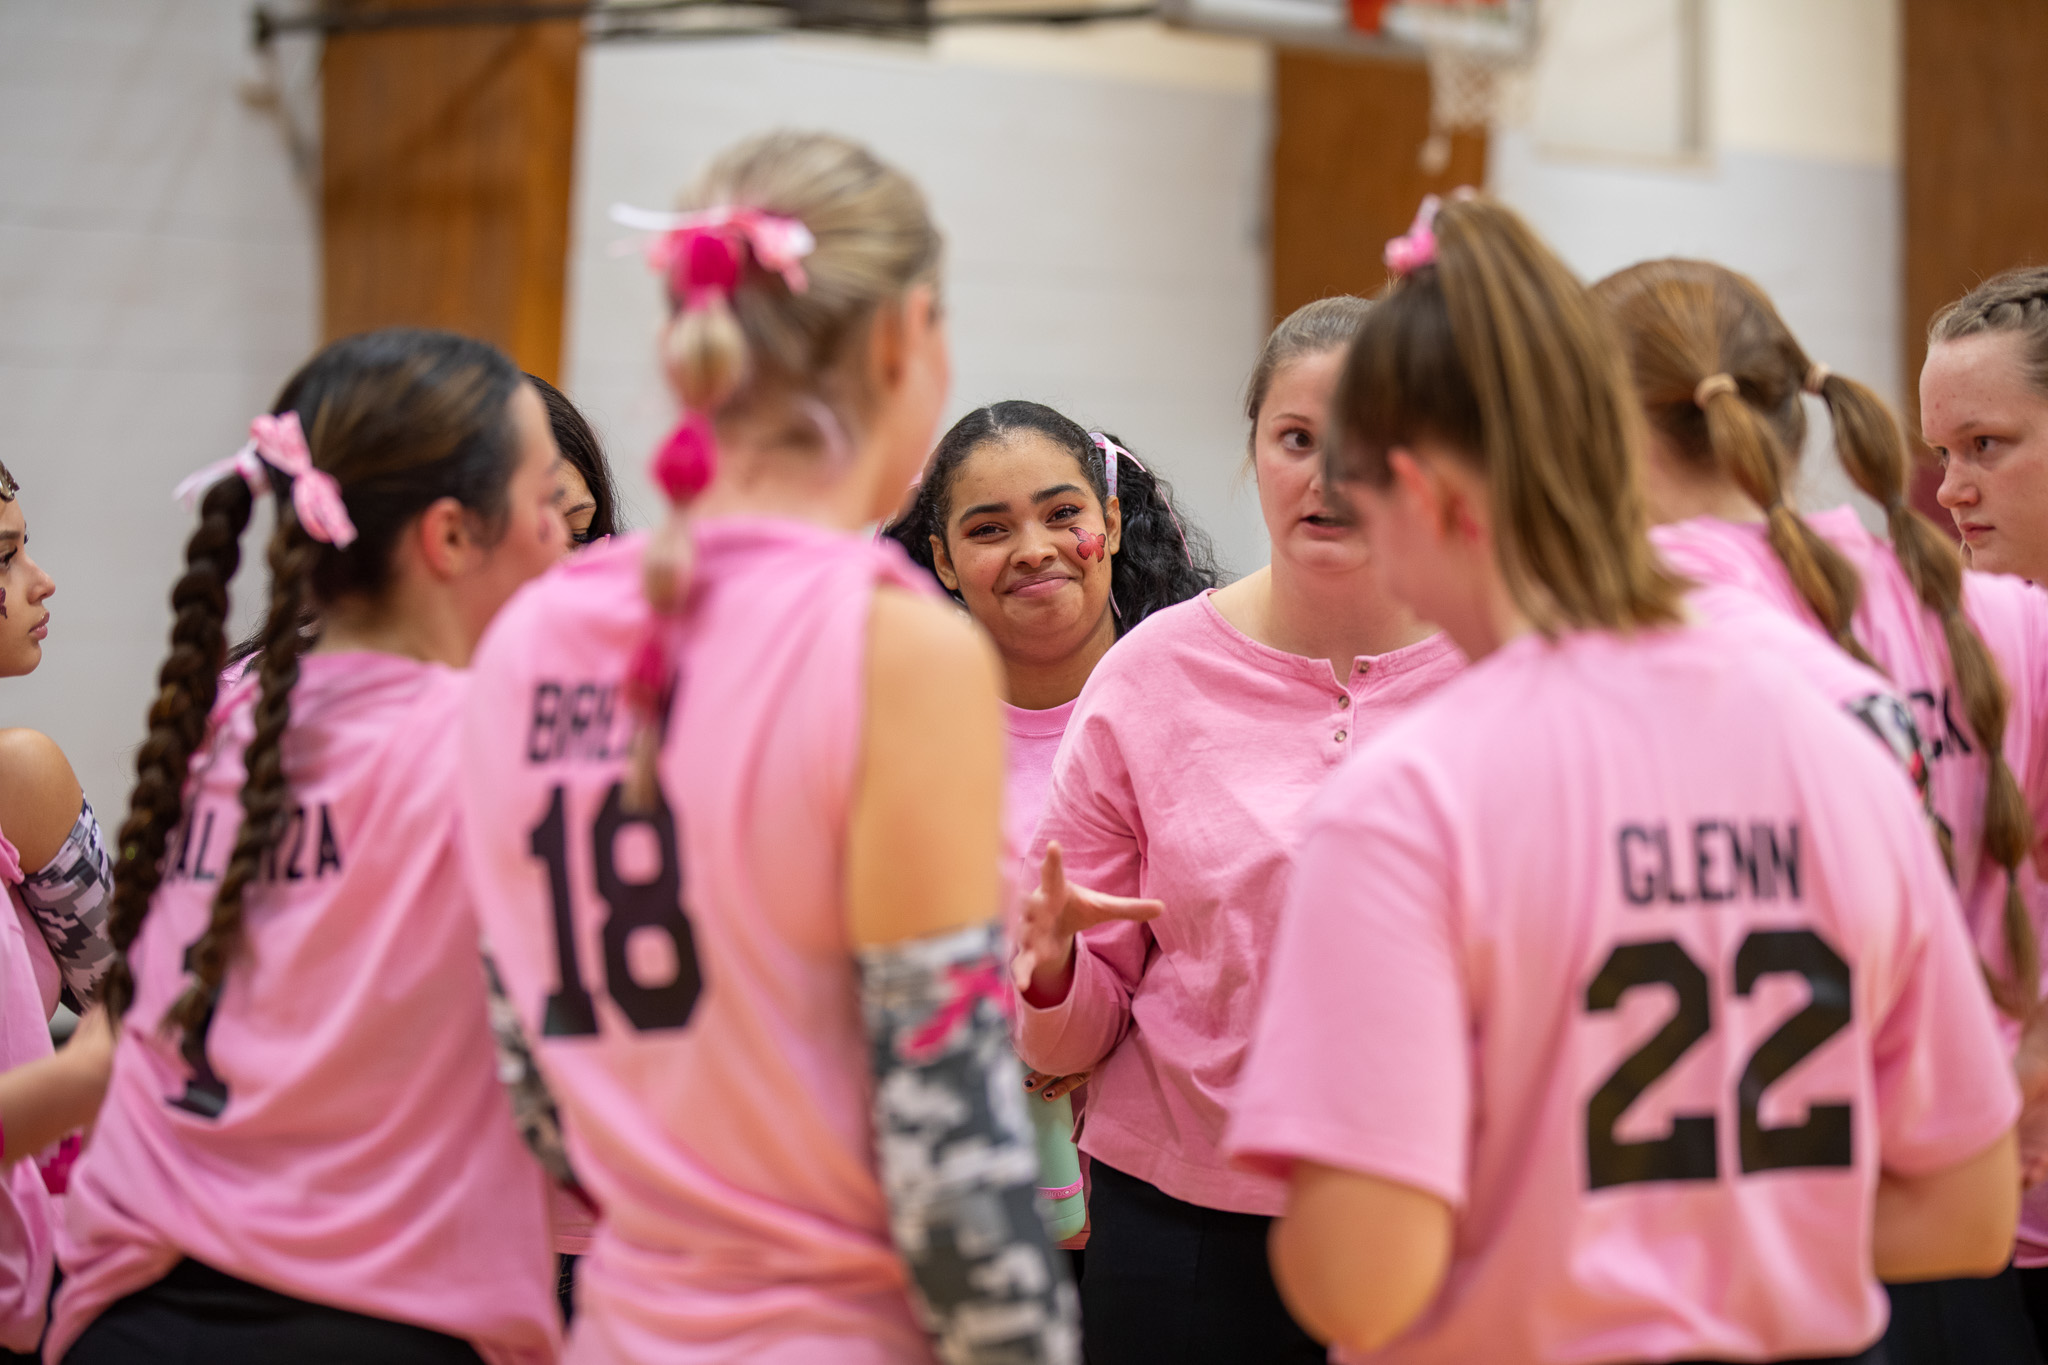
1682 321
401 419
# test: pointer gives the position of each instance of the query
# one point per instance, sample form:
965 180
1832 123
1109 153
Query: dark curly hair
1163 559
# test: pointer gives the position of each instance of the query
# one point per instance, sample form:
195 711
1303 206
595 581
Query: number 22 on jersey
633 909
1691 1150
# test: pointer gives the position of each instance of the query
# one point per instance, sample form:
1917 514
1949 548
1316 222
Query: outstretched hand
1053 915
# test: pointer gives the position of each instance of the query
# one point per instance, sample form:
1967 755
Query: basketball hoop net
1472 48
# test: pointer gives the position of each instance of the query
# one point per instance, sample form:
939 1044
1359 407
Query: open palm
1053 915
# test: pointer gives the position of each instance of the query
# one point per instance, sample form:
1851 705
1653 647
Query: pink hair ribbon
1407 254
279 442
699 254
1111 454
969 984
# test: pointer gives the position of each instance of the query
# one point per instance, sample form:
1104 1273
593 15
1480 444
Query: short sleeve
1945 1089
1362 1055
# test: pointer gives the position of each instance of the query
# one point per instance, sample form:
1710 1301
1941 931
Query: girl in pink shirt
764 987
1621 1011
1720 377
1194 745
1057 541
305 1150
55 875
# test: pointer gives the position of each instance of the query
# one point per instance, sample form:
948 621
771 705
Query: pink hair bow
1407 254
700 253
279 442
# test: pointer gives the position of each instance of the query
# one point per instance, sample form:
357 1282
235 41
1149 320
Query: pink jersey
348 1140
1906 640
1034 740
687 977
29 983
1653 1046
1191 751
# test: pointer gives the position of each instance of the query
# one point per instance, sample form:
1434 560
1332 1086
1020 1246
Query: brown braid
400 419
186 687
1873 451
266 795
1682 322
1674 313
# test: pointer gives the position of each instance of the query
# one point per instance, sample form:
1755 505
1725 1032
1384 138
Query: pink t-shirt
724 1131
29 983
1034 740
1579 1030
353 1145
1191 752
1906 640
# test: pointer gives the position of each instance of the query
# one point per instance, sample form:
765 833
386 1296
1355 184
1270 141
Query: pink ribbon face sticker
1093 545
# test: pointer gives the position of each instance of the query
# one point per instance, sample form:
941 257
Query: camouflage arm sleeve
68 899
958 1161
533 1106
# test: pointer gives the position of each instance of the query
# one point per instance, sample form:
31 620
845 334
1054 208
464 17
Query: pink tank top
687 976
348 1141
28 1212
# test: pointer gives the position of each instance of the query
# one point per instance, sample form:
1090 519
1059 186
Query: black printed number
1689 1152
655 904
205 1093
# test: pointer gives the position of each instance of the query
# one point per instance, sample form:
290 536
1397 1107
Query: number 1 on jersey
654 905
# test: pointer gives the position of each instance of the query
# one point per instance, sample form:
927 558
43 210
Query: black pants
1874 1356
1961 1322
1172 1283
197 1315
2034 1296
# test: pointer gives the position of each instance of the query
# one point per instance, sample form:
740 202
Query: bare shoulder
39 795
919 648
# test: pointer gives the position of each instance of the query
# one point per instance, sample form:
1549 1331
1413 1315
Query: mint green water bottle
1059 1166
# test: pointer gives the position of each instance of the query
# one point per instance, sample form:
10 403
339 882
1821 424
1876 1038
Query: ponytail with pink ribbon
278 442
701 257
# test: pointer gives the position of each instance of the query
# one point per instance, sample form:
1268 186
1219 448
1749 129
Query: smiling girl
1193 747
1057 541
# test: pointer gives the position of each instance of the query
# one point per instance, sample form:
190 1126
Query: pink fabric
1906 640
366 1157
28 1211
732 1153
1191 751
1034 741
1427 1019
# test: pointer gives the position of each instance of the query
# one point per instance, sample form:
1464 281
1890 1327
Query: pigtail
187 686
1874 454
265 792
1161 560
706 354
1750 451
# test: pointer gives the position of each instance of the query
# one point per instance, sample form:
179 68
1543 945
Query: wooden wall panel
1346 175
1975 159
446 162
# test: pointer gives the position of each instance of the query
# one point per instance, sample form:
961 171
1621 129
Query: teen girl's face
535 535
574 501
1287 460
25 591
1988 426
1023 511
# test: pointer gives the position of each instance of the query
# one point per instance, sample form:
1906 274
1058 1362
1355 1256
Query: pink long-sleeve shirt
1190 754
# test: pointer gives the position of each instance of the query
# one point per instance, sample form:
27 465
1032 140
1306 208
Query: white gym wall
1102 191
